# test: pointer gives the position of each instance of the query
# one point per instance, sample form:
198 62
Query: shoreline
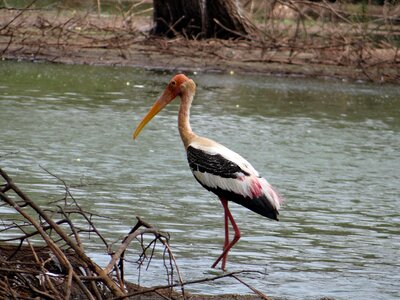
73 38
159 61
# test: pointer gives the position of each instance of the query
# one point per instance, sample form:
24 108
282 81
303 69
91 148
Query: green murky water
331 148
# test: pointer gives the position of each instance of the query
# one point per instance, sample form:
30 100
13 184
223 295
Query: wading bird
215 167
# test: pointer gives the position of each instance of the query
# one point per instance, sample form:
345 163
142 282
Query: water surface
331 148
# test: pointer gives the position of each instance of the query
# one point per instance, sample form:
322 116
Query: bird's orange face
172 90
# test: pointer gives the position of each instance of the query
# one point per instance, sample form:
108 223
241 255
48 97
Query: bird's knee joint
237 236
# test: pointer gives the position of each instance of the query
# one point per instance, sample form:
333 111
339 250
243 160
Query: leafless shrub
42 254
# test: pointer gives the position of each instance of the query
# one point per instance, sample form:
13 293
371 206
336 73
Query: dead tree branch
61 269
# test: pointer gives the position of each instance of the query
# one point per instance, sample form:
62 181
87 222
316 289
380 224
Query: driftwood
59 241
45 256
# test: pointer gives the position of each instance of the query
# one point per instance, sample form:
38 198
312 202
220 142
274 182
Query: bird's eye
173 82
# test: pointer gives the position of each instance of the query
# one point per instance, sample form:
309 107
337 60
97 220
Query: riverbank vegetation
43 253
344 39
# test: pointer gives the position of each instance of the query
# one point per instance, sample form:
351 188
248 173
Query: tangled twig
61 269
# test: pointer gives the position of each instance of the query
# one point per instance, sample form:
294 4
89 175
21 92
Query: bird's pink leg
226 242
227 246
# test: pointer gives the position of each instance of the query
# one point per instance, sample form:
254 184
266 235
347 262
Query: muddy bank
29 271
73 38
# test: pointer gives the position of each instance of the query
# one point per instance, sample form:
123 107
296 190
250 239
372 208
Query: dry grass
293 37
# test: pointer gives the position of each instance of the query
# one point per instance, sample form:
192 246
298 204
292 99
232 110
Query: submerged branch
63 267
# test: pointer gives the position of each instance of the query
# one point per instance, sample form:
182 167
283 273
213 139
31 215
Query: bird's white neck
185 130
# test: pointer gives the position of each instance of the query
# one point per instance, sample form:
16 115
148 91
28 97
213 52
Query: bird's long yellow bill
165 98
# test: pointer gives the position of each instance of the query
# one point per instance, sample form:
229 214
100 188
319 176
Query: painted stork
215 167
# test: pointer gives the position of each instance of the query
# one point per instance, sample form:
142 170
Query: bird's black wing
215 164
227 181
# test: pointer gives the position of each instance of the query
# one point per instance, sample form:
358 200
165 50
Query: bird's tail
273 196
270 201
265 200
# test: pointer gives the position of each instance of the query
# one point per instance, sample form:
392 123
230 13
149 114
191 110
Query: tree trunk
222 19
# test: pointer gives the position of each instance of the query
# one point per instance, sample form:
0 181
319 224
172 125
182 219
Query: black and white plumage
215 167
230 176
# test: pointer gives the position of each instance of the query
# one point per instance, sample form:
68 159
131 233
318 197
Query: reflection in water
331 148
